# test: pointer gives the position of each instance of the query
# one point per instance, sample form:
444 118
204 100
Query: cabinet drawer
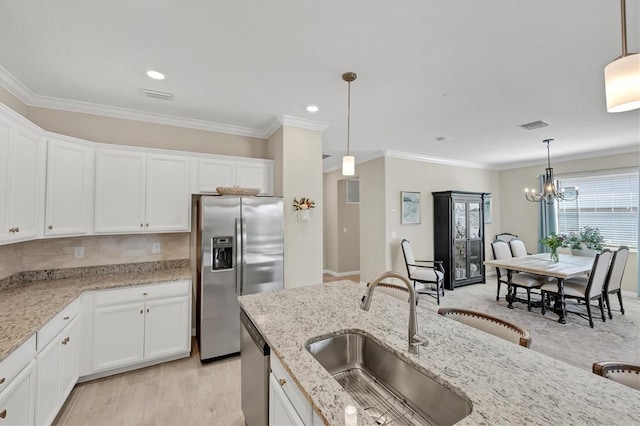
142 293
55 326
293 392
16 361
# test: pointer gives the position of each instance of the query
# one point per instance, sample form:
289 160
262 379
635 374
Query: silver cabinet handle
50 226
282 382
3 413
2 379
17 229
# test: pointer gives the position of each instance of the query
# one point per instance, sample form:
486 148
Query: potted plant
587 242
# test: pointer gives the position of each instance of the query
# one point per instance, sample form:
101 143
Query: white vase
303 216
584 251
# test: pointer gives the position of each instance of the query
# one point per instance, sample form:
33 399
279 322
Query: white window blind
607 200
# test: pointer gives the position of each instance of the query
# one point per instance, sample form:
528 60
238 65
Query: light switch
155 248
394 234
393 212
79 252
344 230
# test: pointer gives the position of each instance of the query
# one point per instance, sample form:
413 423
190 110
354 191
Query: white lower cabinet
57 366
141 323
18 398
281 411
287 404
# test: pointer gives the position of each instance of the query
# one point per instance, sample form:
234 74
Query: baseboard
137 366
340 274
630 294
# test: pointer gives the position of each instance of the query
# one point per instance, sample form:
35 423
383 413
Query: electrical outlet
155 248
79 252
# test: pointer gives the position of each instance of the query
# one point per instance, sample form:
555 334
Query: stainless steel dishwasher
254 370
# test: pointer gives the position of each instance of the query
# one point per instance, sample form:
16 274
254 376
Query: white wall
374 257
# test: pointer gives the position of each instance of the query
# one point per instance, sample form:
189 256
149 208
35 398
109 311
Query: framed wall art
410 208
487 209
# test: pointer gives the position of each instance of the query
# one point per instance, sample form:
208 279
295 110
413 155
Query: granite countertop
28 302
505 383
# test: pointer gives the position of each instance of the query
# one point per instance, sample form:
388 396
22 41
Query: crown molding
437 160
22 92
561 159
303 123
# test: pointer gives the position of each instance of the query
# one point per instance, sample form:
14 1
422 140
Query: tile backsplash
98 250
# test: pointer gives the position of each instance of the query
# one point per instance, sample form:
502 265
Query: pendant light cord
348 116
623 17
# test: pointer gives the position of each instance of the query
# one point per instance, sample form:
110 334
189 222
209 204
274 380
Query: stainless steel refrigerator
240 251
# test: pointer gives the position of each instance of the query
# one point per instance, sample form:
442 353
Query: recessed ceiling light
312 108
156 75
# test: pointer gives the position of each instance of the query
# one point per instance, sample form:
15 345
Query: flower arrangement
588 237
303 203
554 242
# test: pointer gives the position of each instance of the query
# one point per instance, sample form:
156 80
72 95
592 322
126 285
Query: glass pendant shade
348 165
622 83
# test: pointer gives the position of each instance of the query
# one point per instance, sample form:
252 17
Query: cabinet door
118 337
120 191
255 175
69 205
69 352
25 172
48 399
215 173
5 132
281 412
17 400
167 327
168 200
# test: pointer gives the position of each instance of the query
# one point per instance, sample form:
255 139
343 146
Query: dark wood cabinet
458 221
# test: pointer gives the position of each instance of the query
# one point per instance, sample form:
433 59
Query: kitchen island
505 383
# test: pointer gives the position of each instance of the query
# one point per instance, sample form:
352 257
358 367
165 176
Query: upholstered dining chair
577 290
501 250
506 237
614 279
490 324
426 274
625 373
517 247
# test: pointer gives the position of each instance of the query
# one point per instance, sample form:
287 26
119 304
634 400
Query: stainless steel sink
389 389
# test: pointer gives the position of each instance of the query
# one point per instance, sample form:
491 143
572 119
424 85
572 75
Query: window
607 199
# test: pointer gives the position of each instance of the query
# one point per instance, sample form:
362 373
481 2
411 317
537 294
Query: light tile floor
182 392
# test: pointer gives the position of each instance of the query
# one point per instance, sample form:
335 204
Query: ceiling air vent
158 95
325 156
534 125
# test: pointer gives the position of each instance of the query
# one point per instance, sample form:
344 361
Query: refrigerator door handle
239 246
244 254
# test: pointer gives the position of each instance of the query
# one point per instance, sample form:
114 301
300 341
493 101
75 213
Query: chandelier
622 76
349 161
549 190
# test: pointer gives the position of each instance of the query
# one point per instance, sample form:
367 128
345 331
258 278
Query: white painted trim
436 160
630 294
15 86
340 274
555 160
303 123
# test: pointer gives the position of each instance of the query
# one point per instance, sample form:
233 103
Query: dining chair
395 291
575 289
506 236
517 247
427 273
490 324
626 373
614 279
501 250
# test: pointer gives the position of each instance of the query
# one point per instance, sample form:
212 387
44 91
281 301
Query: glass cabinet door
474 220
460 259
460 220
475 260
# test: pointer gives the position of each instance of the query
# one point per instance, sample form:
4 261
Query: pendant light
549 190
349 161
622 76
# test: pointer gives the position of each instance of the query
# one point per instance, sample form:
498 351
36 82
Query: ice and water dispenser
222 253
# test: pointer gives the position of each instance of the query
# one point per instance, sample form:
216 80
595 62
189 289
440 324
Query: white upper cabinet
136 192
249 173
255 175
120 191
168 199
69 201
21 183
213 173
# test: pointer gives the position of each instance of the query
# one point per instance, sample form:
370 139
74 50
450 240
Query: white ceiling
465 70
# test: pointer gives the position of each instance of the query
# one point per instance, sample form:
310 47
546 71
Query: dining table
567 266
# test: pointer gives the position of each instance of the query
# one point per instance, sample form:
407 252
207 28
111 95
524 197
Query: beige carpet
574 342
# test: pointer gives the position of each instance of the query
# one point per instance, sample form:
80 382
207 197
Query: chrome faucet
415 340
